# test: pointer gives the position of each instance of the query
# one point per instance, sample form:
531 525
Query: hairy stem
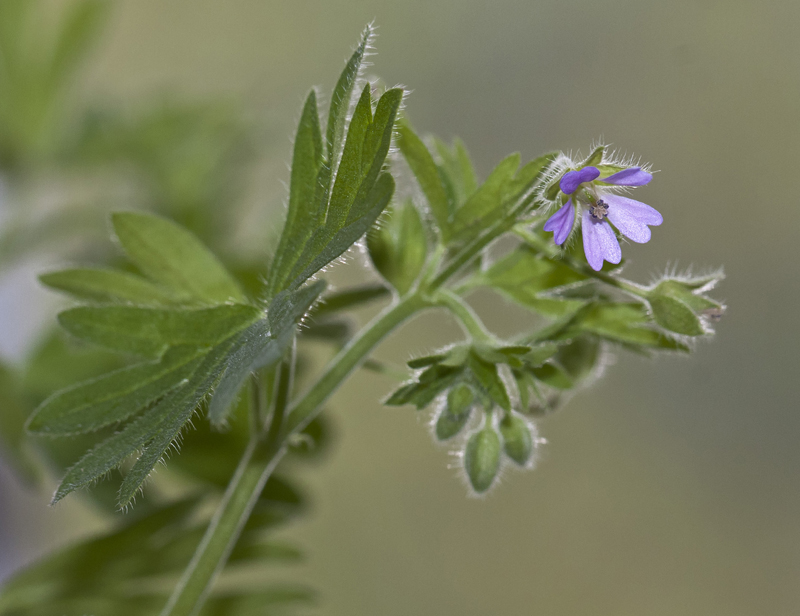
263 455
255 467
468 318
349 358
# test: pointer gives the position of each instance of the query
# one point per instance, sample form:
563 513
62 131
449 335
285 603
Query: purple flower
598 206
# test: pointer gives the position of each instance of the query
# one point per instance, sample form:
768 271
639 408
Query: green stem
468 318
349 358
262 456
242 494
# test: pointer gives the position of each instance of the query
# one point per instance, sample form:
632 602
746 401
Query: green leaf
482 458
595 158
108 286
429 384
261 345
456 413
495 198
622 322
424 168
342 97
303 214
579 356
328 244
487 376
456 171
488 197
152 432
675 316
171 255
533 281
360 194
552 375
688 292
398 247
149 331
115 396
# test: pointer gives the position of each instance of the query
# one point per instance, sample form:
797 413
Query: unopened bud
517 438
455 414
482 458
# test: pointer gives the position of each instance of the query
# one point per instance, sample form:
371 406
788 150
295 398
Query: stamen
598 209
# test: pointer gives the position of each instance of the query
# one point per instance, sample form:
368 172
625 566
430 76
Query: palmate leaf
337 189
210 341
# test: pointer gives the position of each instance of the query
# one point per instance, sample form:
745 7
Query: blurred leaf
506 184
337 301
533 281
127 570
79 29
173 256
13 412
398 247
456 172
107 286
423 166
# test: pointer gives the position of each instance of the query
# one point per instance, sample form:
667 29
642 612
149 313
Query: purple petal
561 223
572 179
599 242
635 176
631 217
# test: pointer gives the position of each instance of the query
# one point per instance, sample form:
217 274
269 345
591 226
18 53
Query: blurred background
671 486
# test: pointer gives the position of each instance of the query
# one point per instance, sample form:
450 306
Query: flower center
598 209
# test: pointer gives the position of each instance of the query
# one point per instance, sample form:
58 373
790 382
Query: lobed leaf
169 254
149 331
424 168
115 396
108 286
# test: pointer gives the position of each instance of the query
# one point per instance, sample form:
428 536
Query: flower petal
572 179
634 176
599 242
561 223
631 217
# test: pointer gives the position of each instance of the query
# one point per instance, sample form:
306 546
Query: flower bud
677 305
456 412
482 458
517 438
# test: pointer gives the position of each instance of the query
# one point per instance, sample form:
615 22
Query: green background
671 486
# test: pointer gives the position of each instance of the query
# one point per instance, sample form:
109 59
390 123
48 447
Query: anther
598 209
